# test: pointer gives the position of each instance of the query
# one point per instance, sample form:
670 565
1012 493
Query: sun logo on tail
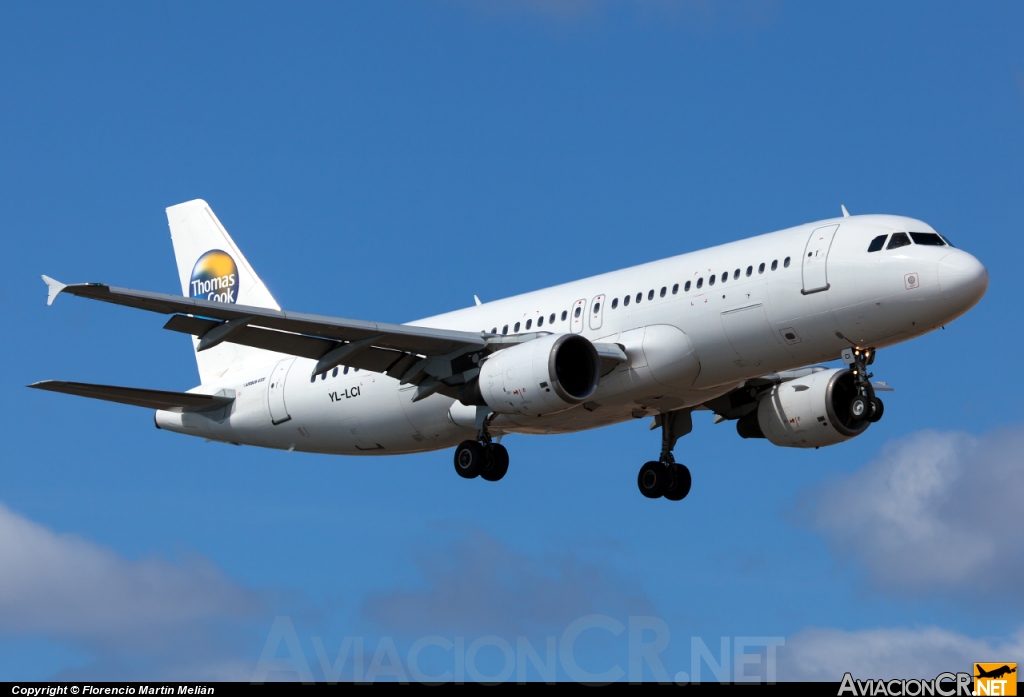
215 277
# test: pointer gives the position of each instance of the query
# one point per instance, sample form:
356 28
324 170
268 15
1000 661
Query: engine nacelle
543 376
808 412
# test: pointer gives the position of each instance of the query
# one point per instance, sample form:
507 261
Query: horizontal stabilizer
151 399
53 288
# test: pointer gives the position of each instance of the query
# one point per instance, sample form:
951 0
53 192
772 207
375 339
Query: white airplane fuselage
778 302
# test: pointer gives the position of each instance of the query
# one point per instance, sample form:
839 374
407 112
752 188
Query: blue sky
387 161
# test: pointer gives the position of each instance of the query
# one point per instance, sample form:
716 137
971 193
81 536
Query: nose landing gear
665 477
865 405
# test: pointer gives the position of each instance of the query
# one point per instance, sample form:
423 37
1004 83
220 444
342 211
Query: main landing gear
665 477
481 457
864 406
489 461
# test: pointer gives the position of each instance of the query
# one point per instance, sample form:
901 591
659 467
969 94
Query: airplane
738 329
995 673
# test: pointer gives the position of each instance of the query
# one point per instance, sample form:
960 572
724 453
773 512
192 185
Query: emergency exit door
578 316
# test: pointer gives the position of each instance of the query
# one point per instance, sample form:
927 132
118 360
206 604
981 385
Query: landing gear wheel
651 479
470 458
496 464
677 484
877 409
860 408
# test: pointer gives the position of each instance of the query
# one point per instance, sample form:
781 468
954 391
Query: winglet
846 213
477 300
54 287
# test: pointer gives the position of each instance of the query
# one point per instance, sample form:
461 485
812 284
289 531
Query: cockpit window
877 243
927 238
898 240
946 240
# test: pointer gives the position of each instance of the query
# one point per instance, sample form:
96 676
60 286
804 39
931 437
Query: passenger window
735 274
725 276
312 378
711 280
615 303
564 315
750 270
504 330
775 264
540 321
675 289
760 269
334 373
639 297
700 282
877 243
515 328
529 323
785 264
686 288
650 295
355 370
625 300
898 240
576 313
663 291
597 308
323 375
345 372
929 239
551 319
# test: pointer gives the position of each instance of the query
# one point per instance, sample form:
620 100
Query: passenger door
275 392
815 263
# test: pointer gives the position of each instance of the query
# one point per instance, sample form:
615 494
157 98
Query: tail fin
212 267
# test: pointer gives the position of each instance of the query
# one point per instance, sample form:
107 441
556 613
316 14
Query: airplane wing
377 346
152 399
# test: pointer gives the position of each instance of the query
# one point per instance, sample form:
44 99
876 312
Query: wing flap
138 397
398 337
376 359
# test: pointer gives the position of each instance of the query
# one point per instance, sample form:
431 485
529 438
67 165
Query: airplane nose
962 278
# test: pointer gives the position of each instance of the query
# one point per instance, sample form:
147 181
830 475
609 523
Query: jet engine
808 412
543 376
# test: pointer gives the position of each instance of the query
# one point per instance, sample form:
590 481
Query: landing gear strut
865 406
481 457
666 477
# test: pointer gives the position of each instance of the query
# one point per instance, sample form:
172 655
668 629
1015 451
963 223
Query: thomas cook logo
995 678
215 277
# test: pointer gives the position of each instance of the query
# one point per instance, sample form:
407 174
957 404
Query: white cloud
66 587
886 653
935 511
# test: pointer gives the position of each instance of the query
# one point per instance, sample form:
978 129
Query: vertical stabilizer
211 267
